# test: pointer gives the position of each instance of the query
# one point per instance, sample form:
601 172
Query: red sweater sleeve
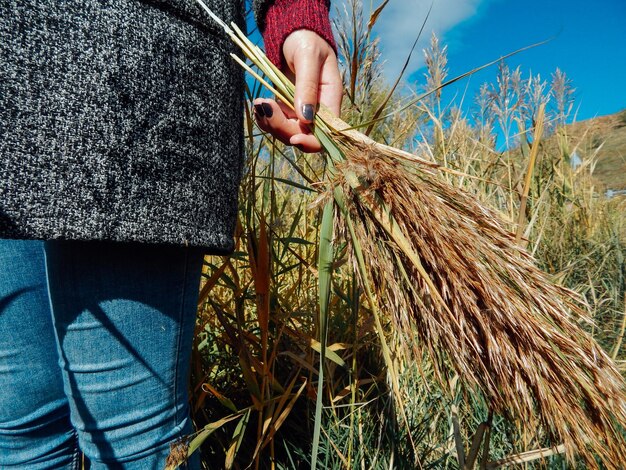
283 17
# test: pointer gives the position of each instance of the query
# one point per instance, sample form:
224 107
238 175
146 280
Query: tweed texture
120 120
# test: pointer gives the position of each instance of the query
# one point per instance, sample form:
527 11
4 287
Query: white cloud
400 22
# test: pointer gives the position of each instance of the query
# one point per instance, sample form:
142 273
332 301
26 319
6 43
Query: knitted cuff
283 17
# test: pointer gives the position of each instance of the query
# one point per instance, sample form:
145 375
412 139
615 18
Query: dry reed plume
479 303
445 266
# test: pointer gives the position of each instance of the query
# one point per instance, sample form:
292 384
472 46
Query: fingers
307 68
312 65
331 86
287 110
272 119
276 120
306 142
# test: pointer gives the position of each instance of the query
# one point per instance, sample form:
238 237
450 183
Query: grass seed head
481 305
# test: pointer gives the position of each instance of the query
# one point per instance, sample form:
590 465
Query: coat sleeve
277 19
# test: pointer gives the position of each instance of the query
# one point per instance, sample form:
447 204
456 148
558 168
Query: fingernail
308 111
267 109
258 109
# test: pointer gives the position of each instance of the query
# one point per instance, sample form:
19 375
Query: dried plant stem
529 172
620 338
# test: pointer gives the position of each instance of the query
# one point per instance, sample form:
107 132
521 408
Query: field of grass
256 365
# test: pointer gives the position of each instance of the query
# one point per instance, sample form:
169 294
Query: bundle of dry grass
447 267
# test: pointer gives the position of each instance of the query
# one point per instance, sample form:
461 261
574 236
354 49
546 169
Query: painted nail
258 109
267 109
308 111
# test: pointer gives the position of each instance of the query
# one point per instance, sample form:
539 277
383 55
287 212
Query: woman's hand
312 66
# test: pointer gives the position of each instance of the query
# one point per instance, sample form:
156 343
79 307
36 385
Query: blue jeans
95 344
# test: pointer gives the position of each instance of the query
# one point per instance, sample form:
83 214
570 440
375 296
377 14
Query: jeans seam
75 464
180 338
76 456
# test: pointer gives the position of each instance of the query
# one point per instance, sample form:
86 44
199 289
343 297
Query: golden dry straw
445 267
455 275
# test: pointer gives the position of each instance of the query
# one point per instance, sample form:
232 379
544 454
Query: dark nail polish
308 111
267 109
258 109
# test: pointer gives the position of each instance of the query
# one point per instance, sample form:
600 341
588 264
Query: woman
121 148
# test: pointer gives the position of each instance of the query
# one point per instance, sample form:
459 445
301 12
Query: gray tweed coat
120 120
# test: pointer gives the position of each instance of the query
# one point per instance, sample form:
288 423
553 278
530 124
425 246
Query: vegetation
604 138
257 374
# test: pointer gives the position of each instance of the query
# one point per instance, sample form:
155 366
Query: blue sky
589 43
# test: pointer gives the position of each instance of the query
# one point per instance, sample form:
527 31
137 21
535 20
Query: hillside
604 136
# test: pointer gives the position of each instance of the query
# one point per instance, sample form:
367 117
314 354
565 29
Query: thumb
307 68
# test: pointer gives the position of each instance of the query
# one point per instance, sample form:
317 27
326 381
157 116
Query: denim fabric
95 343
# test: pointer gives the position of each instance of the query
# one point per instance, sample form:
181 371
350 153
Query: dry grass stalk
445 266
507 329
